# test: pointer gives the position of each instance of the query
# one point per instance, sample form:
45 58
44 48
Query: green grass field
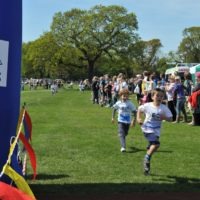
78 150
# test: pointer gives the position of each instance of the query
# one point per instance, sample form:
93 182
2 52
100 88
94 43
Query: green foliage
40 55
103 39
190 45
85 42
95 32
145 54
27 67
162 65
78 150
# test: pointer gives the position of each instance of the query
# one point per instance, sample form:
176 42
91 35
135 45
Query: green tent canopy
194 71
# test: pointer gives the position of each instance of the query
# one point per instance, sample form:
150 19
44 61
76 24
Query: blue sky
162 19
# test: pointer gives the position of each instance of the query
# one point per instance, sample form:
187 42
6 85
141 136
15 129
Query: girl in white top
154 113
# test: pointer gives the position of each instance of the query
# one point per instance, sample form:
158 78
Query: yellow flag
19 181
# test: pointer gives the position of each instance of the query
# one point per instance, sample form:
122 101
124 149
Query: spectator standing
187 84
139 85
171 102
194 99
180 100
108 90
81 86
115 89
122 82
103 94
95 90
197 85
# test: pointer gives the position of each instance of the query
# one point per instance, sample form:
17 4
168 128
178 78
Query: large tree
27 67
145 54
38 56
189 47
96 32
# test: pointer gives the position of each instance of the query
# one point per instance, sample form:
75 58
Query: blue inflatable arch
10 73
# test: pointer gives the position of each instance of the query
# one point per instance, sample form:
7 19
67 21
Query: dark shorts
123 129
152 138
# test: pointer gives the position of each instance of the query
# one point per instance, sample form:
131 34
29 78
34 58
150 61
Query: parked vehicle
179 69
194 71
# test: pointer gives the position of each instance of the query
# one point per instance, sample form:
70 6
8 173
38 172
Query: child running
125 110
154 113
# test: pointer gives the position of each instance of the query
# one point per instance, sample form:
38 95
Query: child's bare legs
153 146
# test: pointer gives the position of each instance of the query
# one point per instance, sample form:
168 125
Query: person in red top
194 100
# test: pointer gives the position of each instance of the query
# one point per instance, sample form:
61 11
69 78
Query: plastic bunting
24 119
19 181
27 126
31 153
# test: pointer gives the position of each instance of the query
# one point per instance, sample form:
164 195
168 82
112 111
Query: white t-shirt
124 110
53 87
170 91
123 85
152 122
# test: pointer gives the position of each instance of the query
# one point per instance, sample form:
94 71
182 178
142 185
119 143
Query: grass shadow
48 176
174 184
134 150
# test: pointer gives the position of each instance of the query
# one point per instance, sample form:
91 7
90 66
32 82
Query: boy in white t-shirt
125 110
154 113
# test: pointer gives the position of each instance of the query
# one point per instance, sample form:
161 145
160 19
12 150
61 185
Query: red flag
27 126
30 152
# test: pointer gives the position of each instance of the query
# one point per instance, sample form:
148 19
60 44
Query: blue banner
10 73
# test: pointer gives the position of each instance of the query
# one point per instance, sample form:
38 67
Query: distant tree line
104 39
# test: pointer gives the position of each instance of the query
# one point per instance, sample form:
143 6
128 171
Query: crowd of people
177 90
158 100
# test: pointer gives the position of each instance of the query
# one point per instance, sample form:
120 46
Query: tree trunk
90 70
